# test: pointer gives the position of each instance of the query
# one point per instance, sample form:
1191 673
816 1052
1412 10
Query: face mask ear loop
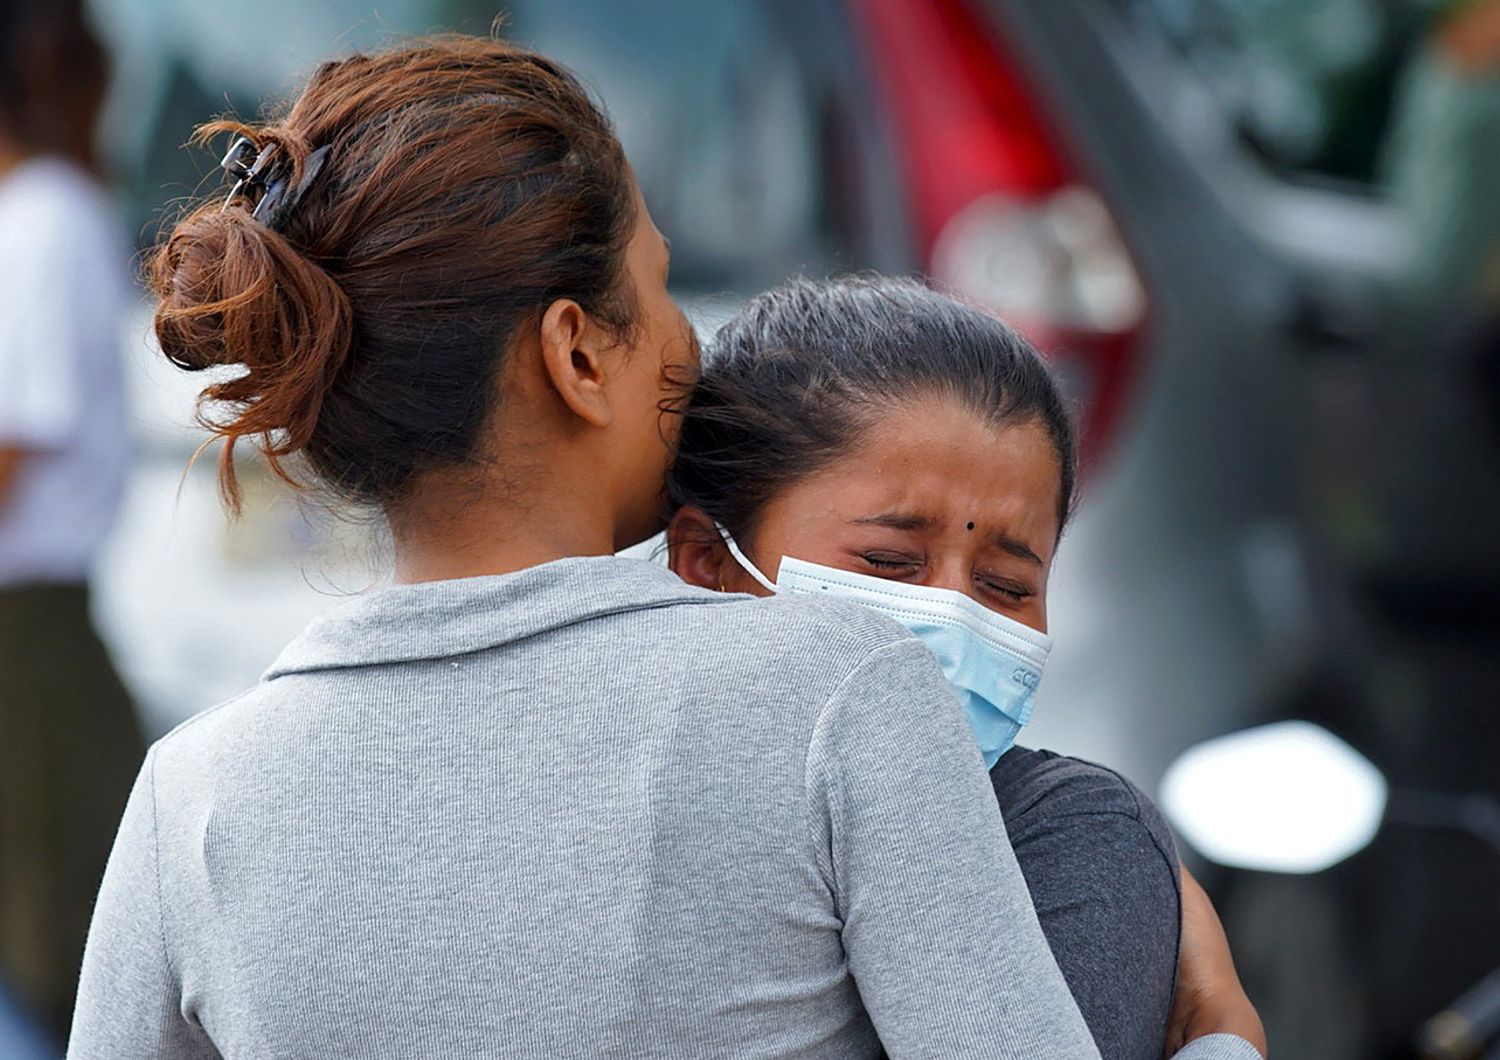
740 558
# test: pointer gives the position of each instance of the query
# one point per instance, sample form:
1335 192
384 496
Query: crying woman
873 440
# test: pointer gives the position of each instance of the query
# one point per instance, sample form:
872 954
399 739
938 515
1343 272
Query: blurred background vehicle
1259 238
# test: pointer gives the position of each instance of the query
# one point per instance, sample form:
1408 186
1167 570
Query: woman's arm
937 925
129 1002
1209 996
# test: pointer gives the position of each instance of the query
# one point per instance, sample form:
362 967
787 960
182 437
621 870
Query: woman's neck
457 528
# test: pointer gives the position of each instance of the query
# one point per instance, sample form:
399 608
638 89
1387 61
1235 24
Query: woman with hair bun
533 800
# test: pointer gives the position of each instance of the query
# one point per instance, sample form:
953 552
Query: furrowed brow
1016 547
895 521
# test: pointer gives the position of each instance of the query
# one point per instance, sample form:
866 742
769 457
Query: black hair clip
259 170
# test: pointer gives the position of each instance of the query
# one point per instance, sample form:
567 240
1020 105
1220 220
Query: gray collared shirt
581 810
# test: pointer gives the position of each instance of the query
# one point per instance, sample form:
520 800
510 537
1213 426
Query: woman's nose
948 574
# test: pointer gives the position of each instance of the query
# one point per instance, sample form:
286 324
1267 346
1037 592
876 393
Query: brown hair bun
469 184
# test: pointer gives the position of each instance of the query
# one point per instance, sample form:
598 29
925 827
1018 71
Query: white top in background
63 294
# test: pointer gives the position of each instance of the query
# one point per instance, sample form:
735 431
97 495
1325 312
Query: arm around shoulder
941 937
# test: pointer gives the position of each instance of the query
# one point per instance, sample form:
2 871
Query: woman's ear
571 356
695 551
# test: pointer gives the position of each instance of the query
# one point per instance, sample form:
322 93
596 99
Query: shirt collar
434 620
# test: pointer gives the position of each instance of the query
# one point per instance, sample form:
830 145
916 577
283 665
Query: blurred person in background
69 741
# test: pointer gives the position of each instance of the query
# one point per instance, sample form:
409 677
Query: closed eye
1008 590
891 563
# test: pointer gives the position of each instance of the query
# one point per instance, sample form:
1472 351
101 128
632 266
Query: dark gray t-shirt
1102 869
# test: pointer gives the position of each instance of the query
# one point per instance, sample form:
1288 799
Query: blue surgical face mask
994 663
